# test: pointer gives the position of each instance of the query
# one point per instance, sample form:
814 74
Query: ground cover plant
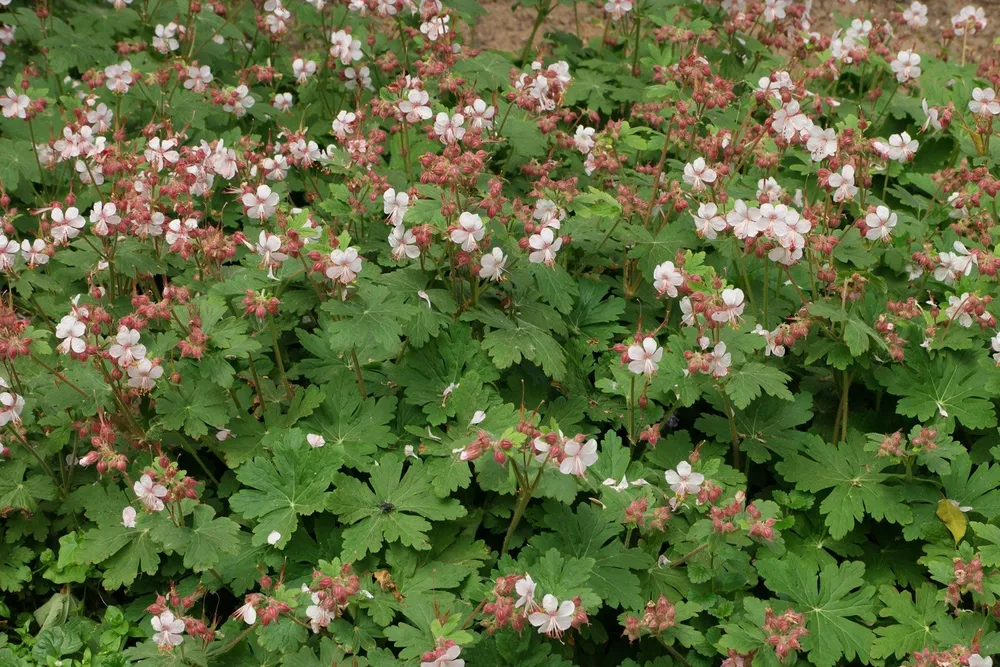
328 339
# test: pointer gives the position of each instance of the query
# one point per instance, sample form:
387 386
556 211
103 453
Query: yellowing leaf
953 518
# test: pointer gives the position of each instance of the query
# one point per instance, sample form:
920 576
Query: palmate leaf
454 361
854 479
915 618
376 315
391 507
122 551
352 426
766 425
511 339
745 385
289 484
836 604
18 492
591 533
946 386
206 541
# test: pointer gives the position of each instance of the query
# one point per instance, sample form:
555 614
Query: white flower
128 517
525 589
719 360
436 27
198 78
269 248
708 222
127 350
282 102
104 217
644 359
976 660
395 205
954 264
403 243
843 184
698 175
682 481
666 279
343 124
548 214
774 10
34 252
915 15
449 128
150 493
345 265
822 143
492 265
449 658
578 457
933 116
745 221
553 619
414 108
984 102
906 66
66 224
789 121
71 332
545 244
469 232
688 316
247 613
15 105
143 375
344 47
119 77
480 115
303 69
732 306
273 537
319 617
178 230
9 249
315 441
969 19
617 9
260 205
773 347
168 630
11 406
361 76
880 224
239 101
900 148
583 140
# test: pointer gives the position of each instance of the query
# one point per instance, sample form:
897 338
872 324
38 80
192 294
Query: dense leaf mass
329 338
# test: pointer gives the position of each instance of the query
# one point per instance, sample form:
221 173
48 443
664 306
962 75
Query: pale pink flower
683 481
127 350
644 359
150 493
168 630
579 457
469 232
345 265
544 245
552 618
260 205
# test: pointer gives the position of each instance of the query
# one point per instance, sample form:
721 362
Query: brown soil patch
507 29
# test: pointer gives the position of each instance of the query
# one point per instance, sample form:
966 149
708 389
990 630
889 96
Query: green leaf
594 534
745 385
20 493
854 478
376 315
206 541
946 386
391 507
915 618
289 484
837 605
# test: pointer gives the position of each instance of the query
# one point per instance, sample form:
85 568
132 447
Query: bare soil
507 29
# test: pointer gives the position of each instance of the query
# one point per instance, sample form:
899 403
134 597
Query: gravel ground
507 29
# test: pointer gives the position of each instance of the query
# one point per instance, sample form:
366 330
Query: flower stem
59 375
277 357
358 374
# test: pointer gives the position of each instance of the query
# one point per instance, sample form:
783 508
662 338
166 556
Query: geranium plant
331 339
